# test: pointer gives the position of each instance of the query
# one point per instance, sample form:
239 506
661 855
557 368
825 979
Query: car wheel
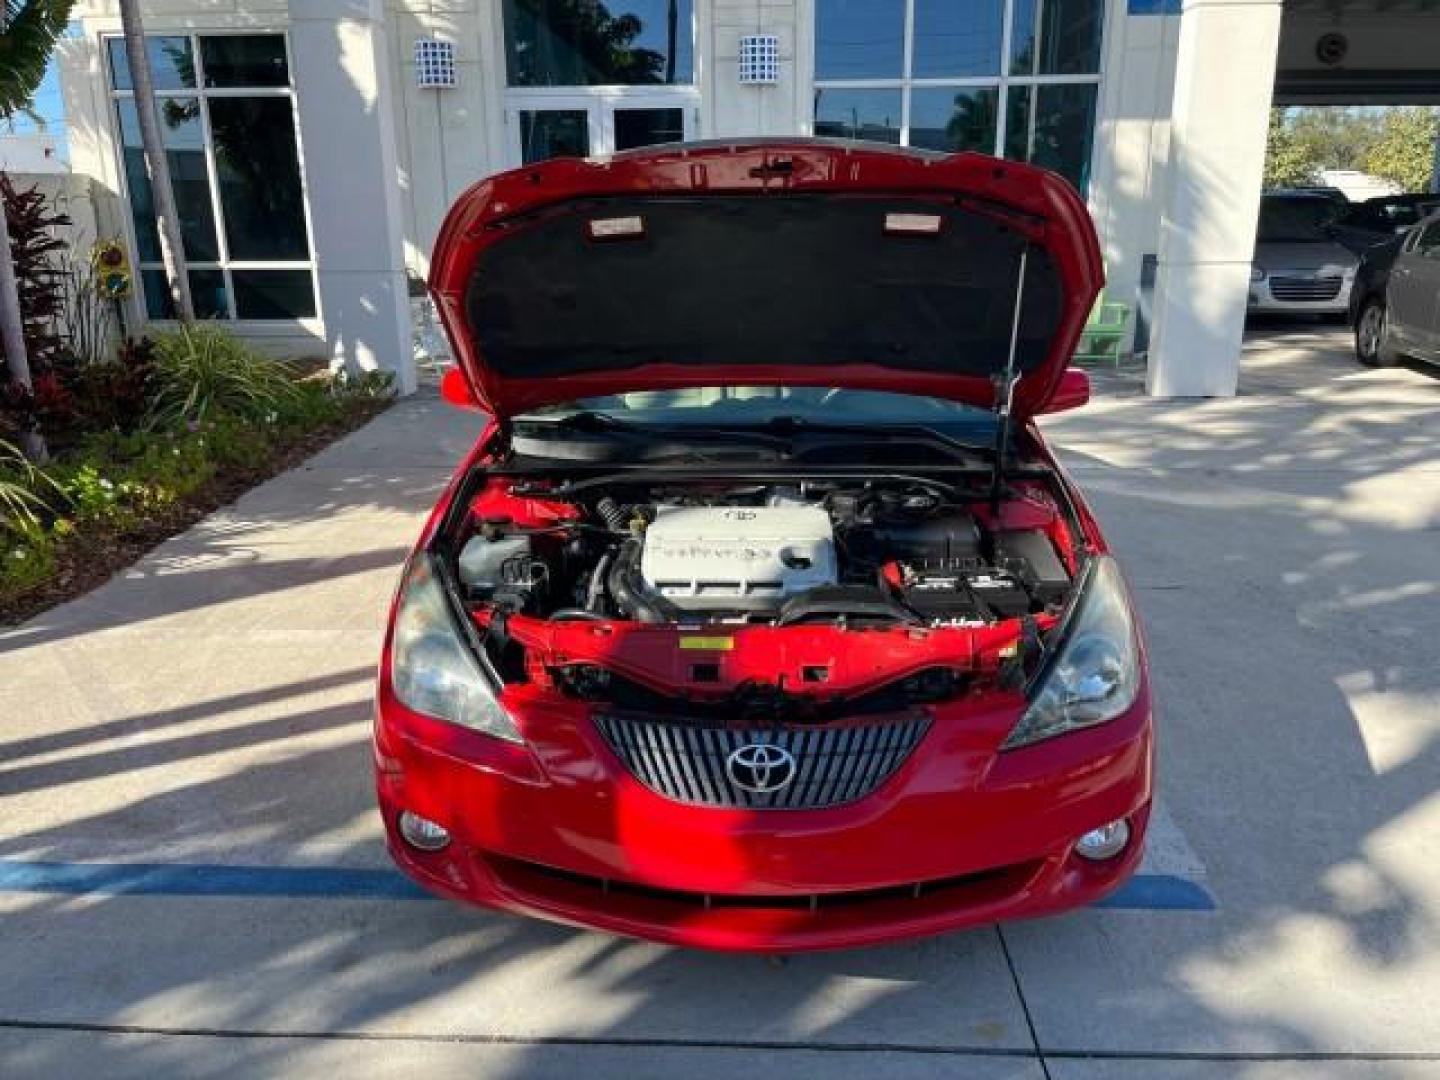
1372 346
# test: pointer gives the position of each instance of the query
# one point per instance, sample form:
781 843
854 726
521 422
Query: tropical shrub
115 394
201 371
25 491
35 247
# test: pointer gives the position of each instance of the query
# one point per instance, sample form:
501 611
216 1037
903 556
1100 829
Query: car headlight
432 668
1094 675
1257 273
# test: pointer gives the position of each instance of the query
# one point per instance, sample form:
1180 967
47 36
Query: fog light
1105 842
422 834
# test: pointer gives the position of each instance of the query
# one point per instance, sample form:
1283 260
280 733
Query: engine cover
737 558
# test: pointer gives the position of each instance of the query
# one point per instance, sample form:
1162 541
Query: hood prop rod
1005 389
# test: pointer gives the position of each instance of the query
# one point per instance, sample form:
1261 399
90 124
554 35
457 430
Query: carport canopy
1236 58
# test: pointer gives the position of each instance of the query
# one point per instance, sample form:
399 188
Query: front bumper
1299 295
958 836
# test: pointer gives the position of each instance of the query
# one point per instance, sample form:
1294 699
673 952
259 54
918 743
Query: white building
30 152
313 169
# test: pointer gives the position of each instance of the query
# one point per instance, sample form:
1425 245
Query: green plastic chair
1104 334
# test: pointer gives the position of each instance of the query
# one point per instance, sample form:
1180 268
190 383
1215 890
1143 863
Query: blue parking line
1144 892
1160 892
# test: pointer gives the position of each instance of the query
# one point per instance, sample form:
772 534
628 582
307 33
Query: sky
49 104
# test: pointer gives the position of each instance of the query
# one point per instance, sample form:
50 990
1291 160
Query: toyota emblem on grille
761 767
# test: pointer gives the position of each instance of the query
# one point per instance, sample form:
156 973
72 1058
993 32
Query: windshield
1294 221
743 405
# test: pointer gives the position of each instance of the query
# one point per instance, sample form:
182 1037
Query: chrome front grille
689 761
1305 288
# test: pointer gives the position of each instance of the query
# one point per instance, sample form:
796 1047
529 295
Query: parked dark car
1381 219
1322 191
1395 304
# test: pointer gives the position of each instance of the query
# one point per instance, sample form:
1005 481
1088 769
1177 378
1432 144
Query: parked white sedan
1298 268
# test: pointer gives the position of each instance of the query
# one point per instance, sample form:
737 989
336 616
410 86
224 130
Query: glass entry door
544 125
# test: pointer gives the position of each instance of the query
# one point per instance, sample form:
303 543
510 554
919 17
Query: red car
760 616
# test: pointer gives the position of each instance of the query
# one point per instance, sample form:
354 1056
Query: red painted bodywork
1032 201
962 834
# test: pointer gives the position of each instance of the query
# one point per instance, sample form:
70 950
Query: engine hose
573 614
613 514
630 592
597 583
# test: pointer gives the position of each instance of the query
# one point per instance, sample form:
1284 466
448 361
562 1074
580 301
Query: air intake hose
633 594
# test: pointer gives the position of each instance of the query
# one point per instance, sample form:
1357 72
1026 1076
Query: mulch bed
90 559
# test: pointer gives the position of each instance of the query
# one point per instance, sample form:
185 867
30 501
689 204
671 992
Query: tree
27 38
1289 162
1334 137
156 163
1404 150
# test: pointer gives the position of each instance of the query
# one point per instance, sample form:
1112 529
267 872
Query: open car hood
765 262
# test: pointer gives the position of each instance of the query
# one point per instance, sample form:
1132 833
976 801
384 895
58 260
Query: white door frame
599 103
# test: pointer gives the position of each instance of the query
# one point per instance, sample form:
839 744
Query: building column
347 136
1224 81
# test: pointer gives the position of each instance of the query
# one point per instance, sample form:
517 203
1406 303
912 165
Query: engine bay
850 555
644 592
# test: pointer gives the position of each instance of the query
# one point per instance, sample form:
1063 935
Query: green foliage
1403 151
31 29
1333 138
202 371
1397 144
25 491
120 481
1288 161
114 394
162 430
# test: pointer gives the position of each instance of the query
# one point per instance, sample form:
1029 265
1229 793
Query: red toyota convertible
760 616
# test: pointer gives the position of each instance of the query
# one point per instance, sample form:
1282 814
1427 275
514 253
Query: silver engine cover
737 558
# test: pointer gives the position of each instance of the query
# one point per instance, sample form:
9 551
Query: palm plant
31 28
203 372
20 485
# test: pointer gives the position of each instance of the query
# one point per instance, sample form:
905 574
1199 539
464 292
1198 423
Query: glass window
207 293
235 169
1017 123
859 39
946 93
172 63
703 406
245 60
957 37
953 118
591 43
273 294
1064 129
1294 219
1022 36
1069 34
260 194
873 115
646 127
1070 37
182 132
1059 135
548 133
1428 242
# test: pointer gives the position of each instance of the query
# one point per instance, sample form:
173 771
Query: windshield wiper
604 424
917 432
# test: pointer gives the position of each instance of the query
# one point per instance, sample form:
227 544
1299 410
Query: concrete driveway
192 883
